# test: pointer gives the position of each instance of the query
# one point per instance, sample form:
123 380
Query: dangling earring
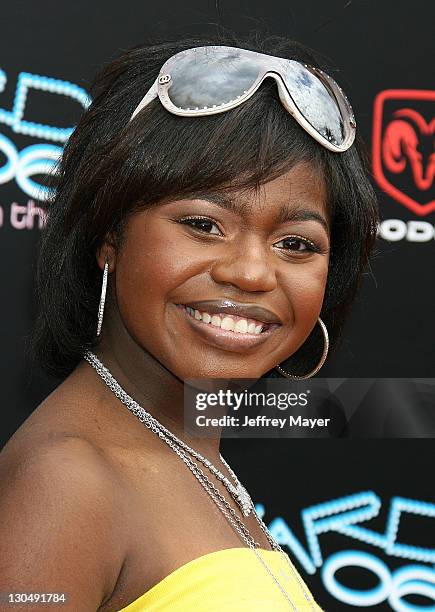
322 359
102 298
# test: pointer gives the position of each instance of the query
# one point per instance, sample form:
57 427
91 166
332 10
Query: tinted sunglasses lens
209 77
315 102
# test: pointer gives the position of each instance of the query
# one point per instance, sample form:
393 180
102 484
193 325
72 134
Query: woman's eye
298 244
200 223
292 243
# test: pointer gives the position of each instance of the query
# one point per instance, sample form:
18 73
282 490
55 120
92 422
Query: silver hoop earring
102 298
322 359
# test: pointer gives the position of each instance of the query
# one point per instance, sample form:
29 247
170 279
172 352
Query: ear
107 252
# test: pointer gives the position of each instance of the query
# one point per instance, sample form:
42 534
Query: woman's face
271 250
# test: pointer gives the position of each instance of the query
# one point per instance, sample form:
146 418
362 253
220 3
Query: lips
226 339
229 306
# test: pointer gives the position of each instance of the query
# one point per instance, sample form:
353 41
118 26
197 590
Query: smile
227 331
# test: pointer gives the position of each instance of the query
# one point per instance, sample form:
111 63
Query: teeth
216 321
227 323
224 322
241 326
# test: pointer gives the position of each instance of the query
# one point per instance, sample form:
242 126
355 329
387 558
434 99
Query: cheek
305 287
146 269
150 267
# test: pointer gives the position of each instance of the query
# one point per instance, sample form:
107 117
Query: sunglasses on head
213 79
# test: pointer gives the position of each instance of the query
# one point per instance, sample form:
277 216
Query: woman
219 235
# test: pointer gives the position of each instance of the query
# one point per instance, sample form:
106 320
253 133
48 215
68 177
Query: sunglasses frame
270 66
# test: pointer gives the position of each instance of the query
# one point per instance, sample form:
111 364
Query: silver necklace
237 491
181 449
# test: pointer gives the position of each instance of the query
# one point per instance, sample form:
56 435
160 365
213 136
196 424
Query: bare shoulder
59 514
78 484
62 460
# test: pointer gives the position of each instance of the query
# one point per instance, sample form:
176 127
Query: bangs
159 156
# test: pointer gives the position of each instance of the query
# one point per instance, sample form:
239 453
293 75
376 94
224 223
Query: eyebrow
285 213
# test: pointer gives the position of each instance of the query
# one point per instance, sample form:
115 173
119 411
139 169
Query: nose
246 264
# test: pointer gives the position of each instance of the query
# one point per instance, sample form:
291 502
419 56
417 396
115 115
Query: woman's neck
148 381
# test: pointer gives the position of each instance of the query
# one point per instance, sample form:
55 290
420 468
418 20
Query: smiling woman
235 259
221 233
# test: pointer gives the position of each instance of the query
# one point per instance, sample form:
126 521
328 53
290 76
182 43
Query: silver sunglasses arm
148 97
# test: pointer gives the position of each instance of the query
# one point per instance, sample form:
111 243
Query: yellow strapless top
233 579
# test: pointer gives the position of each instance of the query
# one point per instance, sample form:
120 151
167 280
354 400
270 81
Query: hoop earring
322 359
102 298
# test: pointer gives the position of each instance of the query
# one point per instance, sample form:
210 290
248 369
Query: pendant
243 499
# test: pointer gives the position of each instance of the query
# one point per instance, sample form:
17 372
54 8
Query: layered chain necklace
236 490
